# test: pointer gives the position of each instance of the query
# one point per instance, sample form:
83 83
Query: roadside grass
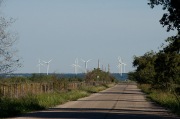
56 98
163 98
94 89
12 107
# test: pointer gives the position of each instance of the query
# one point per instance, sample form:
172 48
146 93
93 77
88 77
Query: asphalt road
123 101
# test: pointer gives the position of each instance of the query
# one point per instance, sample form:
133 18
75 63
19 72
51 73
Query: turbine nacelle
47 63
86 64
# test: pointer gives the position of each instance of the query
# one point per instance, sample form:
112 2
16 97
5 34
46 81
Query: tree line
162 69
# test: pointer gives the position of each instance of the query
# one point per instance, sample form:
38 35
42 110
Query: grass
52 99
163 98
94 89
13 107
10 107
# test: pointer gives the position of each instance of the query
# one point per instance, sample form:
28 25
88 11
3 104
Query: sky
63 30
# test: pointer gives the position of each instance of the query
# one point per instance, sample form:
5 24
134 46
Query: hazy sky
64 30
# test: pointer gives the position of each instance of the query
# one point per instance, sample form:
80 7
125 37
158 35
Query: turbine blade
44 61
73 65
83 60
50 61
89 60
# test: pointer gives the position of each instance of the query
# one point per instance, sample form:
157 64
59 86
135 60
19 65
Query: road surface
123 101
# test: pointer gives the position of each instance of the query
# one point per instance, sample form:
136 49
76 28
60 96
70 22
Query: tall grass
164 98
52 99
12 107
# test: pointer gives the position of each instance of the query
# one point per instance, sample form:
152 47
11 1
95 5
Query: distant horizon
64 30
64 73
67 75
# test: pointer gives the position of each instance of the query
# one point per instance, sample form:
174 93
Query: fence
21 89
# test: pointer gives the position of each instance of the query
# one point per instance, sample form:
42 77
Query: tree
99 75
173 45
145 67
132 76
167 64
8 59
172 18
167 67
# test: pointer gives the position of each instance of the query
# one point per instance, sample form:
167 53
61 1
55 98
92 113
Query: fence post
4 89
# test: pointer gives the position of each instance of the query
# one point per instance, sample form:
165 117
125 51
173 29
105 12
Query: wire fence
16 90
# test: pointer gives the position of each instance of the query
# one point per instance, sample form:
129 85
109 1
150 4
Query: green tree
99 75
173 45
167 64
145 67
132 76
171 19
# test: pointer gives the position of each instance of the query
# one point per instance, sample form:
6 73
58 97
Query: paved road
119 102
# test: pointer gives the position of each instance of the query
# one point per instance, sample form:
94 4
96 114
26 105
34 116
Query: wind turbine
76 65
47 63
120 65
124 67
39 65
86 64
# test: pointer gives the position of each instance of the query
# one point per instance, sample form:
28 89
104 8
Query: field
20 95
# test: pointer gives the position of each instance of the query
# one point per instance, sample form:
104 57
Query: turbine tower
76 65
86 64
39 65
124 67
120 65
47 63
